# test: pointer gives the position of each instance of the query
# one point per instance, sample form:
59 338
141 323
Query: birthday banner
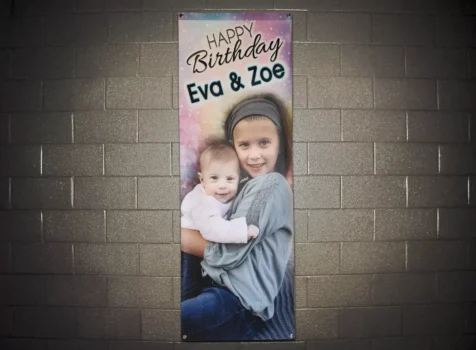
235 118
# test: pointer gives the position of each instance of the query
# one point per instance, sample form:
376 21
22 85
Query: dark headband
253 107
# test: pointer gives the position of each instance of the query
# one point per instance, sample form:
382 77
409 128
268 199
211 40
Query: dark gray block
372 257
77 94
405 224
140 27
29 8
110 259
340 225
370 322
338 345
173 4
41 193
456 30
4 129
373 125
457 223
316 192
403 29
109 323
138 159
316 125
107 5
456 94
458 159
340 158
159 260
73 160
105 127
105 193
139 226
20 160
21 32
373 191
299 91
437 126
22 290
147 345
316 258
316 59
140 292
457 286
58 344
23 344
246 4
419 94
20 96
406 158
74 226
337 291
139 93
300 291
175 159
51 258
159 126
340 92
5 258
158 193
339 27
436 255
5 64
45 322
425 62
432 319
20 226
107 61
76 29
368 61
158 59
437 191
5 193
314 324
76 291
163 325
401 289
27 128
408 343
48 62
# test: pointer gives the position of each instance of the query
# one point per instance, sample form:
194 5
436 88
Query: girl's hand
253 231
192 242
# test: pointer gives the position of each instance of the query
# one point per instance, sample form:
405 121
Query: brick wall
385 173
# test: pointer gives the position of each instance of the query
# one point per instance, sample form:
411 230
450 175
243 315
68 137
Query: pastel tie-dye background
204 119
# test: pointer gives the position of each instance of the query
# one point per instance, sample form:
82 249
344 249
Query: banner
235 100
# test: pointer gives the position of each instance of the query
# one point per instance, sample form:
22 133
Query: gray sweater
254 271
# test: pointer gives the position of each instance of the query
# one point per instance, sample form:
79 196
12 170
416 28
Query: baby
205 207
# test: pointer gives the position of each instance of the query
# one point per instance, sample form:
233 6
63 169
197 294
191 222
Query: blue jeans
211 312
191 273
216 314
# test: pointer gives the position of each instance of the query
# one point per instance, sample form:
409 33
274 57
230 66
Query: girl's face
256 142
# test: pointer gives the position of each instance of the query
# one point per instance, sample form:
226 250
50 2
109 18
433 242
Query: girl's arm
192 242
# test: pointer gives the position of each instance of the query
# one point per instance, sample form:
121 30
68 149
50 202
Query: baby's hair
217 150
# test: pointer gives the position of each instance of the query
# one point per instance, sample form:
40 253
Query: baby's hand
253 231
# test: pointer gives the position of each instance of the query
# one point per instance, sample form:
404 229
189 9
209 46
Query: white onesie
206 214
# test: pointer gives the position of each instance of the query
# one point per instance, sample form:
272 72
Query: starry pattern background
201 120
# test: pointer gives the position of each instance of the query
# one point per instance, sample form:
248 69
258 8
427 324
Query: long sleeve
254 271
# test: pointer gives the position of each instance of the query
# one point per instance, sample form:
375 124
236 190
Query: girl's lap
216 314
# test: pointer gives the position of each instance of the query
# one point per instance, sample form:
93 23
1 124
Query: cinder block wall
385 173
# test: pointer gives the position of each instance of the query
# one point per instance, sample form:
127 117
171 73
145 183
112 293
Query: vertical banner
235 100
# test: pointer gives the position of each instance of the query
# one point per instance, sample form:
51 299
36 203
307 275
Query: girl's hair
284 161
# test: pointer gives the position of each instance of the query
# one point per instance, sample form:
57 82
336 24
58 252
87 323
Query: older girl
247 293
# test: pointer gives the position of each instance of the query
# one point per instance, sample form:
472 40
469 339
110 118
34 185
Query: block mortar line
437 223
406 256
406 126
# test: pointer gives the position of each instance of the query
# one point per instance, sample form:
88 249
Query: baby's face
220 179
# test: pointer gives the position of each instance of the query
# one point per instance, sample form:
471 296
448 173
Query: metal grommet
184 337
